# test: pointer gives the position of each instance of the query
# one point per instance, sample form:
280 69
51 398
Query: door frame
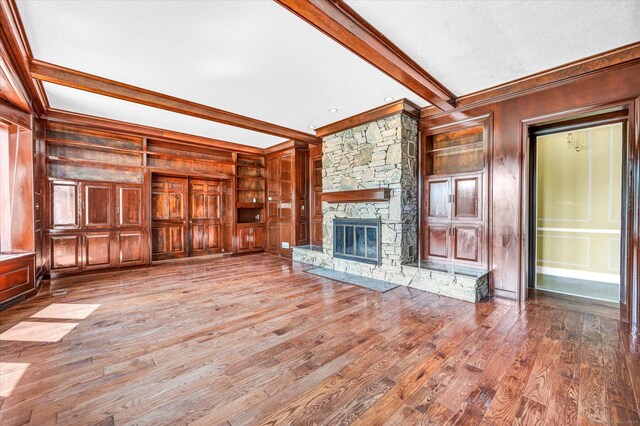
626 110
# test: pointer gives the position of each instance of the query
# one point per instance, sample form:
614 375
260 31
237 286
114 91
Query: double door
454 219
95 225
186 217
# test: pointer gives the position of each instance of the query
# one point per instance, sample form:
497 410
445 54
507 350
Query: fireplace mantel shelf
357 195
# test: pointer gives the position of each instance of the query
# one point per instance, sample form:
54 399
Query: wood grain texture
259 341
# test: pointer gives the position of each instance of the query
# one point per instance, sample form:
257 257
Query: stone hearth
383 154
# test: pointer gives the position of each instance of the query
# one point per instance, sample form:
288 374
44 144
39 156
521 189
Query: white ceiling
473 45
74 100
249 57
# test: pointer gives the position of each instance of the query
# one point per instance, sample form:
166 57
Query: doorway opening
577 209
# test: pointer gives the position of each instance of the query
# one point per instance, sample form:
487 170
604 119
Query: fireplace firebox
357 239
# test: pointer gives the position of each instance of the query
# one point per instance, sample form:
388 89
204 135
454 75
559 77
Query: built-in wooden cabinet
250 237
454 207
287 200
95 225
251 189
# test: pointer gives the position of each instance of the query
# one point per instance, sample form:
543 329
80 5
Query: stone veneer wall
379 154
383 154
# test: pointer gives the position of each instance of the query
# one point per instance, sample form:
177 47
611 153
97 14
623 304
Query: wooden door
316 199
437 241
438 198
168 217
244 239
65 253
467 197
97 250
130 247
257 238
129 211
96 205
205 209
467 243
64 204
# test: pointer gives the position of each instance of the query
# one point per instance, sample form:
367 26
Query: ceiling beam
51 73
337 20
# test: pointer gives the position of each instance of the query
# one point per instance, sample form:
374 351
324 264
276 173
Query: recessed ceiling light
388 99
312 127
333 110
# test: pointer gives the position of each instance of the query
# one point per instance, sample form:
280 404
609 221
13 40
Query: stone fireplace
379 154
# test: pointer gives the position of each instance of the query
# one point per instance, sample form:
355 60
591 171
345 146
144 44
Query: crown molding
60 116
401 105
344 25
14 115
51 73
553 77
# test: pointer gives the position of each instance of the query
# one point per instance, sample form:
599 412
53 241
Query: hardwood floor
256 340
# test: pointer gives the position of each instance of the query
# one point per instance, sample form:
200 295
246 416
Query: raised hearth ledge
458 286
357 195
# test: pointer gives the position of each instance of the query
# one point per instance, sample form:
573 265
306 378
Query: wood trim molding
59 116
15 115
340 22
19 54
357 196
544 79
286 145
401 105
44 71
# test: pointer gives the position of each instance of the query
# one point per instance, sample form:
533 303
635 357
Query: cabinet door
97 250
244 239
273 236
467 242
96 205
129 205
437 241
64 199
65 252
438 198
130 247
273 176
466 197
257 239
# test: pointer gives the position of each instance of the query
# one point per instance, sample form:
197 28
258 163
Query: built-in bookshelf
251 188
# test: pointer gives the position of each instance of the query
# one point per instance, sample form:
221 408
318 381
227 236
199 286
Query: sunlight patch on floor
66 311
27 331
10 375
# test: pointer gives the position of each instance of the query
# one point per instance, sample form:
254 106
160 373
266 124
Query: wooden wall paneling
65 252
39 196
17 276
595 91
130 247
129 205
302 198
97 250
64 204
97 207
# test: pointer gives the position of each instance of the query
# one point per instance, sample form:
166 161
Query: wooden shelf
357 195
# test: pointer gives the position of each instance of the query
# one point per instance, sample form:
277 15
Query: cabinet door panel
97 250
286 175
130 248
198 237
64 205
160 240
466 243
437 241
129 207
466 193
438 205
273 236
273 175
198 206
159 206
244 239
213 237
97 205
176 206
176 239
257 239
65 252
